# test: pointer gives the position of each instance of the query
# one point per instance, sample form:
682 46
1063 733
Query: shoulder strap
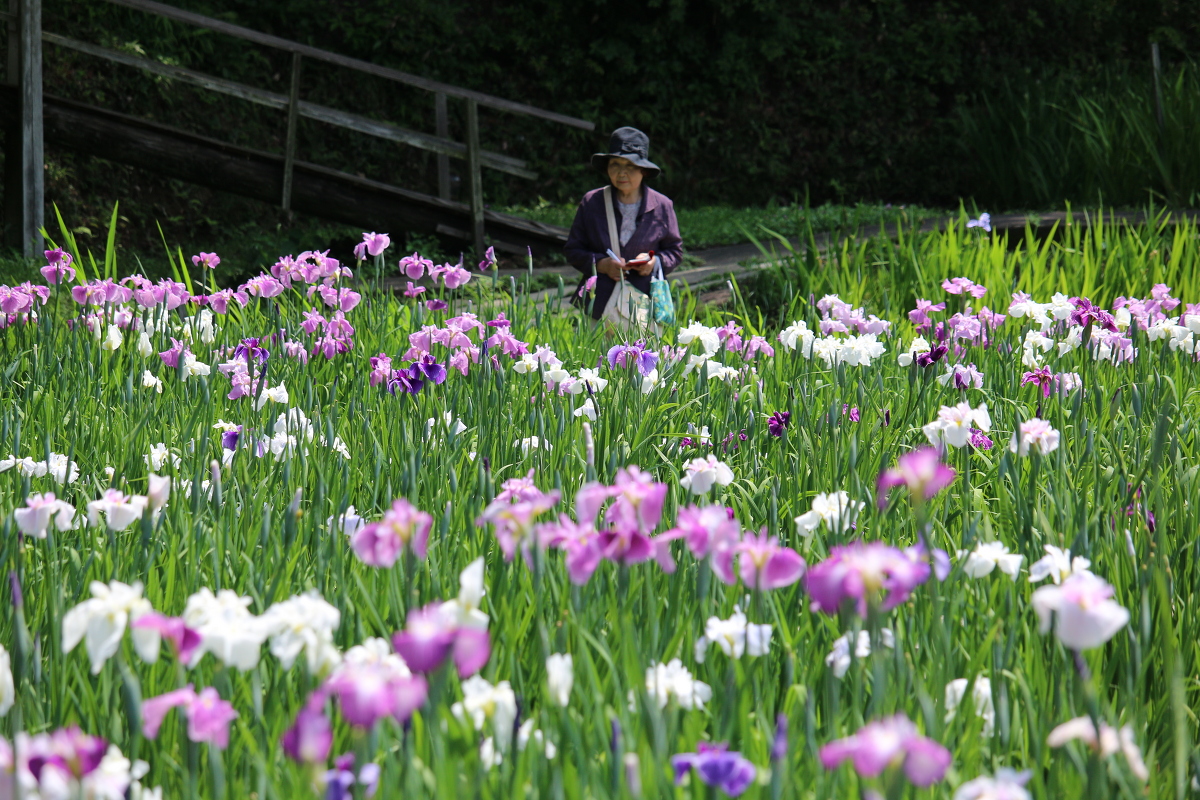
614 238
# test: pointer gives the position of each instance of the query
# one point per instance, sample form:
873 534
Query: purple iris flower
229 439
251 348
622 354
436 305
920 315
309 740
405 380
933 356
778 422
1042 378
779 746
430 368
979 440
1086 314
339 781
717 766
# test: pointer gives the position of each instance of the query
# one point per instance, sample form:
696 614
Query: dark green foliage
745 100
1090 141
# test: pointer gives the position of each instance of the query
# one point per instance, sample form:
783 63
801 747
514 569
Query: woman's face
626 177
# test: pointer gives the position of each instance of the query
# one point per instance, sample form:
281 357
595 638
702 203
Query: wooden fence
24 175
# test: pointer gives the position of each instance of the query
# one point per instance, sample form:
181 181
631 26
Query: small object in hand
649 257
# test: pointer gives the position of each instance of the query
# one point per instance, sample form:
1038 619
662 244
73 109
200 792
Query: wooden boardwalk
30 118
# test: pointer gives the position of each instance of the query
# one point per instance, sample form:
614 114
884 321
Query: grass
1128 436
1098 140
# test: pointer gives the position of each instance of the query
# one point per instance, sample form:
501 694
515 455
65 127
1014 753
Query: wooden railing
25 30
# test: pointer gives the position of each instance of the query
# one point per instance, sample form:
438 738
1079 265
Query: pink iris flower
513 522
414 266
58 267
367 692
208 715
579 541
206 260
67 751
891 741
865 572
706 529
964 286
262 286
762 563
432 634
376 242
921 472
183 639
455 277
380 543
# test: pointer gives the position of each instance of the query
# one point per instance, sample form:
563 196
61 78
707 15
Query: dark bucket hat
627 143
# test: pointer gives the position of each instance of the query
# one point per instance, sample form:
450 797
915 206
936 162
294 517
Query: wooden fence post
473 167
25 177
289 152
442 122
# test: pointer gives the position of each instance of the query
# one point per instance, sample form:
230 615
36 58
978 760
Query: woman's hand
648 267
611 268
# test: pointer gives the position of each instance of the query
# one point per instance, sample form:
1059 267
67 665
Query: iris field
932 535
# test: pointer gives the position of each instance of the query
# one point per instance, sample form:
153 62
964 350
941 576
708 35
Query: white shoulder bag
627 307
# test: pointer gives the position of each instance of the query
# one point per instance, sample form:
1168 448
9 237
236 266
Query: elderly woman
628 219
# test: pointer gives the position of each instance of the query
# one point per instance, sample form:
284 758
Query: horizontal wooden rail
355 122
267 39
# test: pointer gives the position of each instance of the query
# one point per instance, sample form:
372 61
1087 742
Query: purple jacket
656 230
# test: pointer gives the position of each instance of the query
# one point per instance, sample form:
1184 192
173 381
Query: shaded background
746 101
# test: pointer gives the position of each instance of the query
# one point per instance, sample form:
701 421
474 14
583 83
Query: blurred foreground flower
981 699
1081 610
866 573
1008 784
673 681
835 509
890 742
987 556
432 635
839 658
101 622
1106 744
379 544
701 474
716 766
735 636
208 715
34 520
1035 434
921 472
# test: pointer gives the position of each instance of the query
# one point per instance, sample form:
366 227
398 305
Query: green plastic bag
660 296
